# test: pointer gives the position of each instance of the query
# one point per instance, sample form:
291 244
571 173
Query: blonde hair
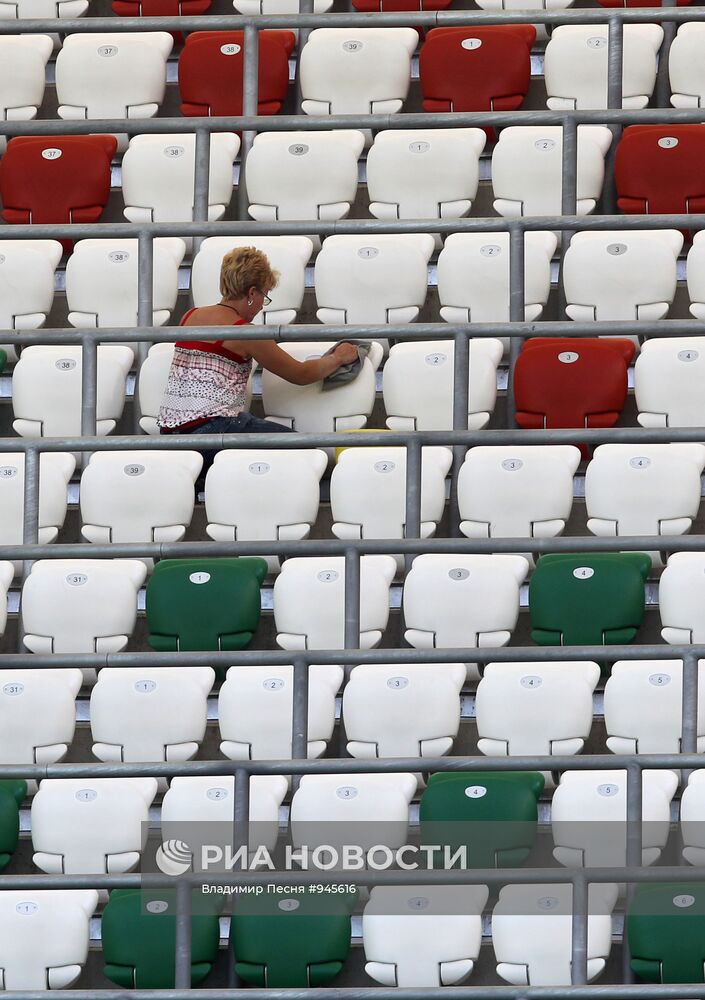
244 267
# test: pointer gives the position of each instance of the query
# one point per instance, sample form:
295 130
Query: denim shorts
243 423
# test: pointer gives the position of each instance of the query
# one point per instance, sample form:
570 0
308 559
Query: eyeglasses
266 301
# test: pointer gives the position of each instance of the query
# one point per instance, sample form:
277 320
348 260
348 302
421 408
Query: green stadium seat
139 939
666 932
593 599
195 604
494 816
295 941
3 360
11 794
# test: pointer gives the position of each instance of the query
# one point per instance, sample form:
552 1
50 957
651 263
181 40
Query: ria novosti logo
174 857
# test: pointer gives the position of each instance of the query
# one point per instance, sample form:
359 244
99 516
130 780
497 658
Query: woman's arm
279 362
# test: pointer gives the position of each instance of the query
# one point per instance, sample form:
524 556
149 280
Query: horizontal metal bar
605 992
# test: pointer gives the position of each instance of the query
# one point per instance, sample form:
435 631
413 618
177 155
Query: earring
249 302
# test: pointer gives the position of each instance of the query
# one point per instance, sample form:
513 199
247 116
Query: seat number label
86 795
107 51
145 687
352 46
688 355
133 470
640 462
328 575
27 909
368 253
199 577
596 42
384 466
568 357
583 572
259 468
531 681
217 794
118 256
683 901
436 359
660 680
12 690
417 903
298 149
76 579
273 684
346 792
476 791
512 464
458 573
419 146
617 249
471 43
8 471
545 145
288 905
397 683
157 906
173 151
608 791
65 364
52 154
668 142
547 902
231 49
490 250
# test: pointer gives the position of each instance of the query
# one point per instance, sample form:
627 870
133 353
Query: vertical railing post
352 621
634 837
89 384
579 928
30 520
412 517
250 87
299 719
182 970
241 838
145 310
663 83
689 729
461 379
517 297
614 100
201 180
569 195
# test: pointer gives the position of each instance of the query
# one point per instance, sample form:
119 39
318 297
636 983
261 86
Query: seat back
685 67
54 475
12 792
26 283
23 60
668 379
659 168
37 714
681 592
665 926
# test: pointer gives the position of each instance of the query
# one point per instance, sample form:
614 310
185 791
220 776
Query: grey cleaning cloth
346 373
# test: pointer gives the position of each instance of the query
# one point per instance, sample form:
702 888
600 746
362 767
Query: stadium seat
372 279
260 494
7 572
309 601
37 714
422 935
681 595
527 165
571 382
12 792
368 492
211 70
685 67
119 75
361 810
46 390
551 5
621 275
491 816
658 169
138 496
313 409
637 3
665 927
392 6
278 6
643 489
26 284
138 938
302 175
55 471
535 708
478 68
532 933
588 598
418 384
347 71
81 605
86 826
668 382
424 173
473 277
589 814
290 941
197 809
463 601
204 603
643 706
288 255
56 179
692 816
575 65
158 176
255 711
23 60
44 934
101 282
696 276
143 714
516 491
24 9
160 8
402 709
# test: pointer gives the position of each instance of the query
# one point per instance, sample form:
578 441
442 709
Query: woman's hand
345 354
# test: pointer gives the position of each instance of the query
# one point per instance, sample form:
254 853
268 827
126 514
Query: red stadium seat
571 382
476 69
370 6
52 179
661 169
160 8
210 72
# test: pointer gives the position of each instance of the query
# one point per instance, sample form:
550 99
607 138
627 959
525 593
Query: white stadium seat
685 66
576 59
90 826
424 173
523 491
44 937
372 279
527 164
309 601
546 5
23 60
418 384
669 378
422 935
535 708
278 6
26 284
681 596
158 176
621 275
288 255
101 281
532 933
302 175
313 409
693 818
55 471
651 489
347 71
696 274
402 709
643 706
462 601
260 494
37 714
255 706
46 390
150 714
589 817
22 9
